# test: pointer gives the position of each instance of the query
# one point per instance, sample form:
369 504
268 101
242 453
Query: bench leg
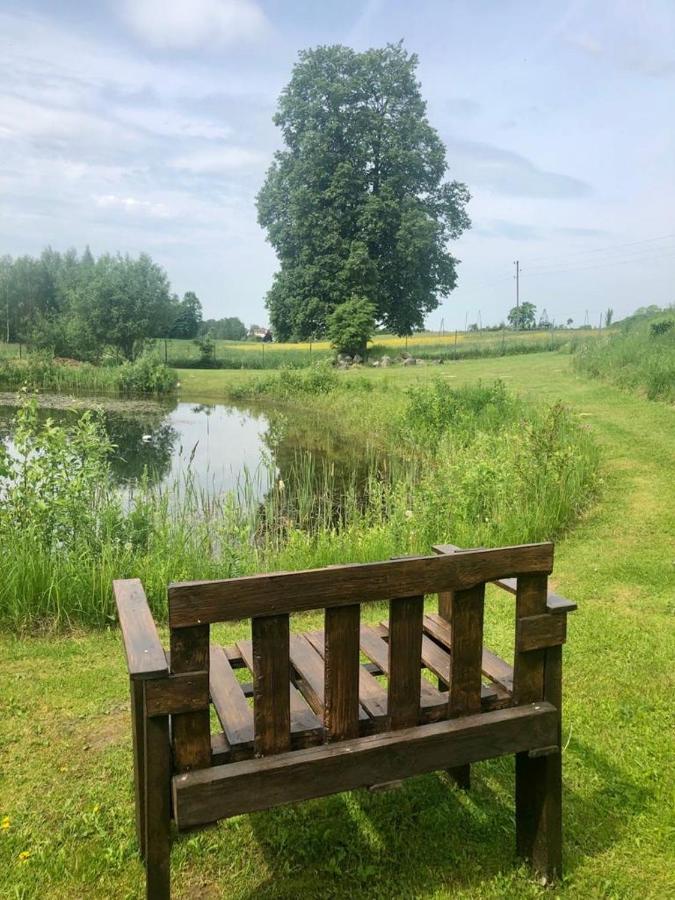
157 807
138 745
461 775
539 813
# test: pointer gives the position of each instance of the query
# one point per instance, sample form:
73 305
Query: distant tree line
79 306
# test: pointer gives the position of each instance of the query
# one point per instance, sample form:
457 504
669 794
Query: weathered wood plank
309 665
493 666
271 680
142 646
157 753
466 651
201 797
405 660
138 750
306 727
236 598
539 632
234 713
528 670
433 702
539 788
372 696
177 694
437 660
191 731
554 602
341 672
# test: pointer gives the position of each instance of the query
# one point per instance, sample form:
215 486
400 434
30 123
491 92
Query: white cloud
132 205
224 159
176 24
170 123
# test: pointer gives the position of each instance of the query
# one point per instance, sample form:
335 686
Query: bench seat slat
493 666
437 660
372 696
433 703
308 663
306 727
232 709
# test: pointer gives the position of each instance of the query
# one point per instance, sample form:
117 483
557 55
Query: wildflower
5 822
23 856
408 513
96 808
281 484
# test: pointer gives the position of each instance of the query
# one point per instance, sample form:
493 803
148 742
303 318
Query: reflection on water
221 445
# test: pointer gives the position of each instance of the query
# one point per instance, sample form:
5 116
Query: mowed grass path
65 764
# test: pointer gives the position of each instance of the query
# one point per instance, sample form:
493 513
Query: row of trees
77 306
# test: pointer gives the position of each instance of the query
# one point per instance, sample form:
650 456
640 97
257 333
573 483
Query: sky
146 126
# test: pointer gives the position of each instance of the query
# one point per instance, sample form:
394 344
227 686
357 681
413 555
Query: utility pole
516 263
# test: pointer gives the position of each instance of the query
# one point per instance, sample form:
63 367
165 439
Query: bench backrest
458 578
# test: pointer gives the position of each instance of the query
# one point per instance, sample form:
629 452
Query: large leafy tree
188 318
522 317
357 202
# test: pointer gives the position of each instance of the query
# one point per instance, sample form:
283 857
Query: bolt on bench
322 720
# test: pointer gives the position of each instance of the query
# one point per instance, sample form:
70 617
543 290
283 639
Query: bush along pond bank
476 464
43 372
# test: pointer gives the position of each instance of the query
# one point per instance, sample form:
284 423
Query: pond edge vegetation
476 463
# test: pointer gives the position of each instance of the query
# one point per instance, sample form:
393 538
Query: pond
223 447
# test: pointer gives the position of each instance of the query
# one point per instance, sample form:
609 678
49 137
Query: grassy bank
639 357
65 760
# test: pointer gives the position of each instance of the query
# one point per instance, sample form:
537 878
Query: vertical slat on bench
528 666
537 675
271 684
405 660
191 732
464 610
466 651
341 653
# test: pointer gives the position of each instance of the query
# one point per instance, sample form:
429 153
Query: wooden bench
352 705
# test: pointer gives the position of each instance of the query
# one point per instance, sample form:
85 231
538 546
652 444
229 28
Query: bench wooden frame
322 721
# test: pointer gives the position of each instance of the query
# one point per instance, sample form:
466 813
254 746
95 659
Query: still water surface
221 444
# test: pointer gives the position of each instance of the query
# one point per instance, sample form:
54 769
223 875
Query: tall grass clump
639 357
475 466
40 371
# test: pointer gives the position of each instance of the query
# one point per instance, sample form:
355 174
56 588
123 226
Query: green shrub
41 372
351 325
146 375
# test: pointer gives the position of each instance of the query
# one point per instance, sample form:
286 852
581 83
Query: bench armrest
142 646
554 603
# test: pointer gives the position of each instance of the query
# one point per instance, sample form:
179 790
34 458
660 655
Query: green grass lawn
66 812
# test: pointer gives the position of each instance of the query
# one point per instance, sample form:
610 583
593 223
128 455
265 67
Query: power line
632 255
613 262
542 260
